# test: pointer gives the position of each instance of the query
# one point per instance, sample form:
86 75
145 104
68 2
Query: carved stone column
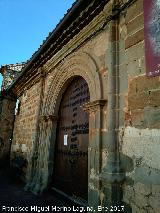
7 116
113 175
96 118
43 160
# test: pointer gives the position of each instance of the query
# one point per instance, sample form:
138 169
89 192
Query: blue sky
25 24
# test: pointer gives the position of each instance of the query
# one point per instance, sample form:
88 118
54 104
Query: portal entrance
70 174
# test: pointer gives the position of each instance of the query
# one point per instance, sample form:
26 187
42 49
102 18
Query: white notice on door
65 140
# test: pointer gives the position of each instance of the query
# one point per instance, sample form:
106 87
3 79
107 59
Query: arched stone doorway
70 172
41 174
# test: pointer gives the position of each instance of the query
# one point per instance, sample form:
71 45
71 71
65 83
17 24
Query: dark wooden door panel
71 155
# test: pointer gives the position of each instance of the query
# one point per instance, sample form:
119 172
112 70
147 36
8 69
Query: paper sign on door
65 140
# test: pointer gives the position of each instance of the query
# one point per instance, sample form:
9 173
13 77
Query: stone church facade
87 114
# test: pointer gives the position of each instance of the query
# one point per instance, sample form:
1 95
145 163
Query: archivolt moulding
80 64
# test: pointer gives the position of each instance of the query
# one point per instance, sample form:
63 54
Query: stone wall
25 127
7 114
139 118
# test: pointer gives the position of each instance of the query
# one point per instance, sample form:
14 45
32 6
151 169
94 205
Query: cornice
94 27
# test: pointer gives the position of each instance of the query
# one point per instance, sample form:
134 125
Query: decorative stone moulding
46 118
94 105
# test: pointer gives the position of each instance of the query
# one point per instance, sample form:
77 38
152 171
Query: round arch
76 65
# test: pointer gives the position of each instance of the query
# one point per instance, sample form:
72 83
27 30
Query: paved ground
13 195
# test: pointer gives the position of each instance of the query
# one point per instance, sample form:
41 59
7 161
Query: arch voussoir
76 65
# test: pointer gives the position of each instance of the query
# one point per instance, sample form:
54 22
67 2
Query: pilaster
96 111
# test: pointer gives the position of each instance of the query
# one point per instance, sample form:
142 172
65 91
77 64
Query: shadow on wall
1 143
4 155
18 165
127 165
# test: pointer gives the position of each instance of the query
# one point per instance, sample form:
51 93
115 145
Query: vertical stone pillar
112 175
95 110
43 162
51 148
7 116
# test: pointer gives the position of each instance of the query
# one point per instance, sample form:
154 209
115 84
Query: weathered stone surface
7 114
141 84
134 39
141 200
135 24
25 123
129 194
154 202
136 209
134 11
143 189
142 143
152 117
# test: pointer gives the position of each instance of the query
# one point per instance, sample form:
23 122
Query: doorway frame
84 66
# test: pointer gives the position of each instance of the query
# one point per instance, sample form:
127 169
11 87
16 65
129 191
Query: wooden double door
70 174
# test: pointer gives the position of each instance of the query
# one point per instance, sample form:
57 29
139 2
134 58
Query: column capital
94 105
46 118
